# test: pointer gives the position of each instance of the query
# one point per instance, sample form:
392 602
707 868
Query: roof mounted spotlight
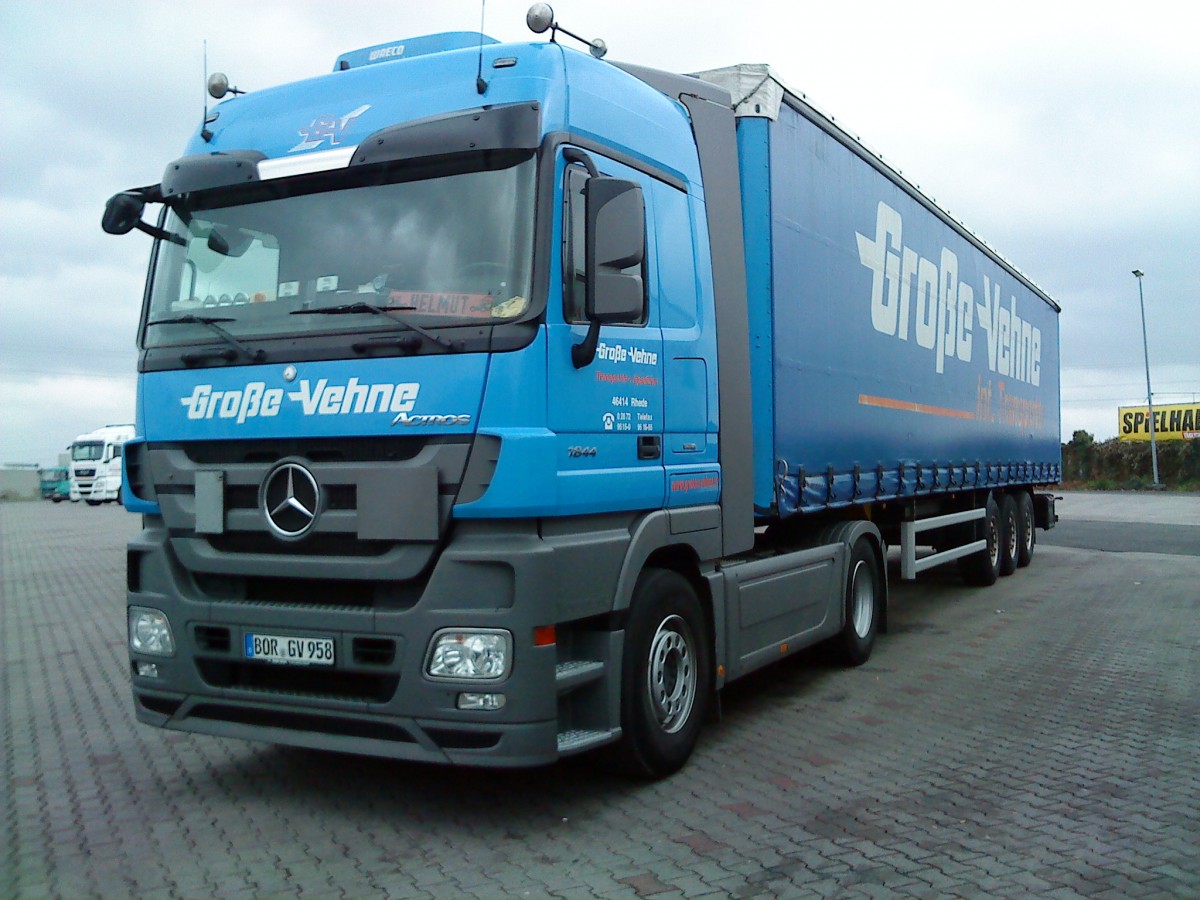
218 86
541 17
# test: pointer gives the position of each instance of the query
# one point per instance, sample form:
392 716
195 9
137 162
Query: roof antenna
481 85
204 132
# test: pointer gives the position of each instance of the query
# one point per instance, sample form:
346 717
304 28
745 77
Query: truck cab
413 361
95 470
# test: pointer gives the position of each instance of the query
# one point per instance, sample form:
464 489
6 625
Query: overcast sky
1067 135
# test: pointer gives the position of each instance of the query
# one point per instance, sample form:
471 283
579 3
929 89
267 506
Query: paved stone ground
1037 737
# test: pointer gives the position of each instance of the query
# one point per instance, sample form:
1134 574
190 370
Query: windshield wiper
210 322
390 312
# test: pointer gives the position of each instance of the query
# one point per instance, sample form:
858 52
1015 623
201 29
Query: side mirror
614 240
122 213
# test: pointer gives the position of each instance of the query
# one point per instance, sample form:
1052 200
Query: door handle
649 446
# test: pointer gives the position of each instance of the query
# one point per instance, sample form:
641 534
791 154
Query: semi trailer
498 403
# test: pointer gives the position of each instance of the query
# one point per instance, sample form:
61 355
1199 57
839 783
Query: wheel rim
1027 532
993 542
671 676
1012 537
862 598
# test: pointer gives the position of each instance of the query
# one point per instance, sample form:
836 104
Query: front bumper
376 699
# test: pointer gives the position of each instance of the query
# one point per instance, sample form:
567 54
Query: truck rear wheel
864 593
1008 534
1026 529
666 675
983 568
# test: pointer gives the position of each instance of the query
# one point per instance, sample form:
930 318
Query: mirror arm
584 352
162 234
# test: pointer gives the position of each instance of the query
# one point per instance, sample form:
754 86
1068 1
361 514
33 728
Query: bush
1128 464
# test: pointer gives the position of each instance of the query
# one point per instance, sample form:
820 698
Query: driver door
608 414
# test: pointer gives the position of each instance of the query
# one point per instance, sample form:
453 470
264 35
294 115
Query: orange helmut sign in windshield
460 306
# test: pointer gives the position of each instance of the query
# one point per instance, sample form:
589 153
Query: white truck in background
96 464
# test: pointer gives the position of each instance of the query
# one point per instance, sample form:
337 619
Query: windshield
90 451
450 250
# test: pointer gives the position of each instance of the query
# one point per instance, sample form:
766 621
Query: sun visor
210 170
511 126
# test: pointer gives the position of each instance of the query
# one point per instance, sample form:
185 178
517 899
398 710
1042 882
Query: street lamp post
1138 274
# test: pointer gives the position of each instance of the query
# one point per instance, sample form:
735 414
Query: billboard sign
1172 422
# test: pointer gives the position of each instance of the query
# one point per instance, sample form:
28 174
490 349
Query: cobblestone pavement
1037 737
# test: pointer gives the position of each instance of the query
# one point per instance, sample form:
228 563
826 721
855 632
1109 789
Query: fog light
150 632
483 654
147 670
481 701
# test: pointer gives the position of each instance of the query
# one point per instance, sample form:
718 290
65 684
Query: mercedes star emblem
291 500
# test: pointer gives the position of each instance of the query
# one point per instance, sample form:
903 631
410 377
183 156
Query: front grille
384 507
336 684
337 496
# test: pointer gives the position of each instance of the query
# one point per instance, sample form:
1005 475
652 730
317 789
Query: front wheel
91 502
666 675
864 599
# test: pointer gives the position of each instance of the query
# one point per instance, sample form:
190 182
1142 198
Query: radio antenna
204 132
480 84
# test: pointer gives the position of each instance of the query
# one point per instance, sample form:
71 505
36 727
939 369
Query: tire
983 568
863 600
1009 534
91 502
666 675
120 498
57 499
1026 530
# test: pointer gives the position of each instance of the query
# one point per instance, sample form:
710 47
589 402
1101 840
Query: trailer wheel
1026 529
864 596
1009 536
983 568
666 675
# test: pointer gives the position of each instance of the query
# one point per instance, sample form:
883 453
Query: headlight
484 654
150 632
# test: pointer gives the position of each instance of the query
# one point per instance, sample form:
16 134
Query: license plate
295 651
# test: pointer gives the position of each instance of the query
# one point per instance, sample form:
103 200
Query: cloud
1066 139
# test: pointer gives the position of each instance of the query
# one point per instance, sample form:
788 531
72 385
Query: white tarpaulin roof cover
755 88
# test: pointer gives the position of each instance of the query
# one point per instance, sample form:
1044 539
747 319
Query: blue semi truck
498 403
